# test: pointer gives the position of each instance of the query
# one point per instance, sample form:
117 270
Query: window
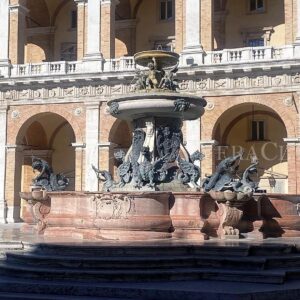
164 45
166 9
257 5
219 5
257 130
255 42
73 19
68 52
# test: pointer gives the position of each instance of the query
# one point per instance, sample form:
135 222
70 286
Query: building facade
61 60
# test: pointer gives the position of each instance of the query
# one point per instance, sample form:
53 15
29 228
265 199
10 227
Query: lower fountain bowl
158 104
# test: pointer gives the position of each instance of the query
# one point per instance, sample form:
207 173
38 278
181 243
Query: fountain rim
156 94
165 59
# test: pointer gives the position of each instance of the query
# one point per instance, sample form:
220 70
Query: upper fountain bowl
164 59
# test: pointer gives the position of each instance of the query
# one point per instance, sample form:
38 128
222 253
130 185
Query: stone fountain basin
158 104
164 59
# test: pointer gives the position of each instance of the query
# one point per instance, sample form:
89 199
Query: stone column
179 5
298 22
13 182
208 149
79 166
93 59
193 131
207 25
288 17
81 29
297 39
91 150
4 37
193 51
17 36
108 34
293 157
3 130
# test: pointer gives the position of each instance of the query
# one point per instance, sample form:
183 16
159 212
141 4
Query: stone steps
125 250
227 249
29 296
140 275
252 262
72 265
194 290
140 262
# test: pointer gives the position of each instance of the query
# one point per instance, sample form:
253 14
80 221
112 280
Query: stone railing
46 68
119 64
252 54
123 64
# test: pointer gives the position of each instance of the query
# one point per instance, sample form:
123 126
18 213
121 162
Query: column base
192 55
13 214
93 62
297 47
3 211
5 67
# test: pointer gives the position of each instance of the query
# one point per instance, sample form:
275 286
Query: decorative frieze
208 85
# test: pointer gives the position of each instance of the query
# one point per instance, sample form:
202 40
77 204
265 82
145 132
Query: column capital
110 2
92 105
209 143
292 141
3 109
19 8
80 2
78 146
14 148
109 145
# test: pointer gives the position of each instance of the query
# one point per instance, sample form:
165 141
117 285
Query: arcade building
62 60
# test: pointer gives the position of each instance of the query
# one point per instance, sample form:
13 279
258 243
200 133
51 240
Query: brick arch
285 113
28 113
120 131
245 115
57 11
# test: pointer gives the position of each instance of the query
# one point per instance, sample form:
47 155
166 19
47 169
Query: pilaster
93 59
4 38
192 53
108 8
193 133
17 36
208 149
79 166
3 133
293 158
91 148
81 29
12 182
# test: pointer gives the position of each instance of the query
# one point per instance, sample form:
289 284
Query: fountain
157 194
157 159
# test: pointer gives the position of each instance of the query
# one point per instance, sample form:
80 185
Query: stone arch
57 11
119 125
244 115
222 127
123 10
269 101
38 14
120 137
27 114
